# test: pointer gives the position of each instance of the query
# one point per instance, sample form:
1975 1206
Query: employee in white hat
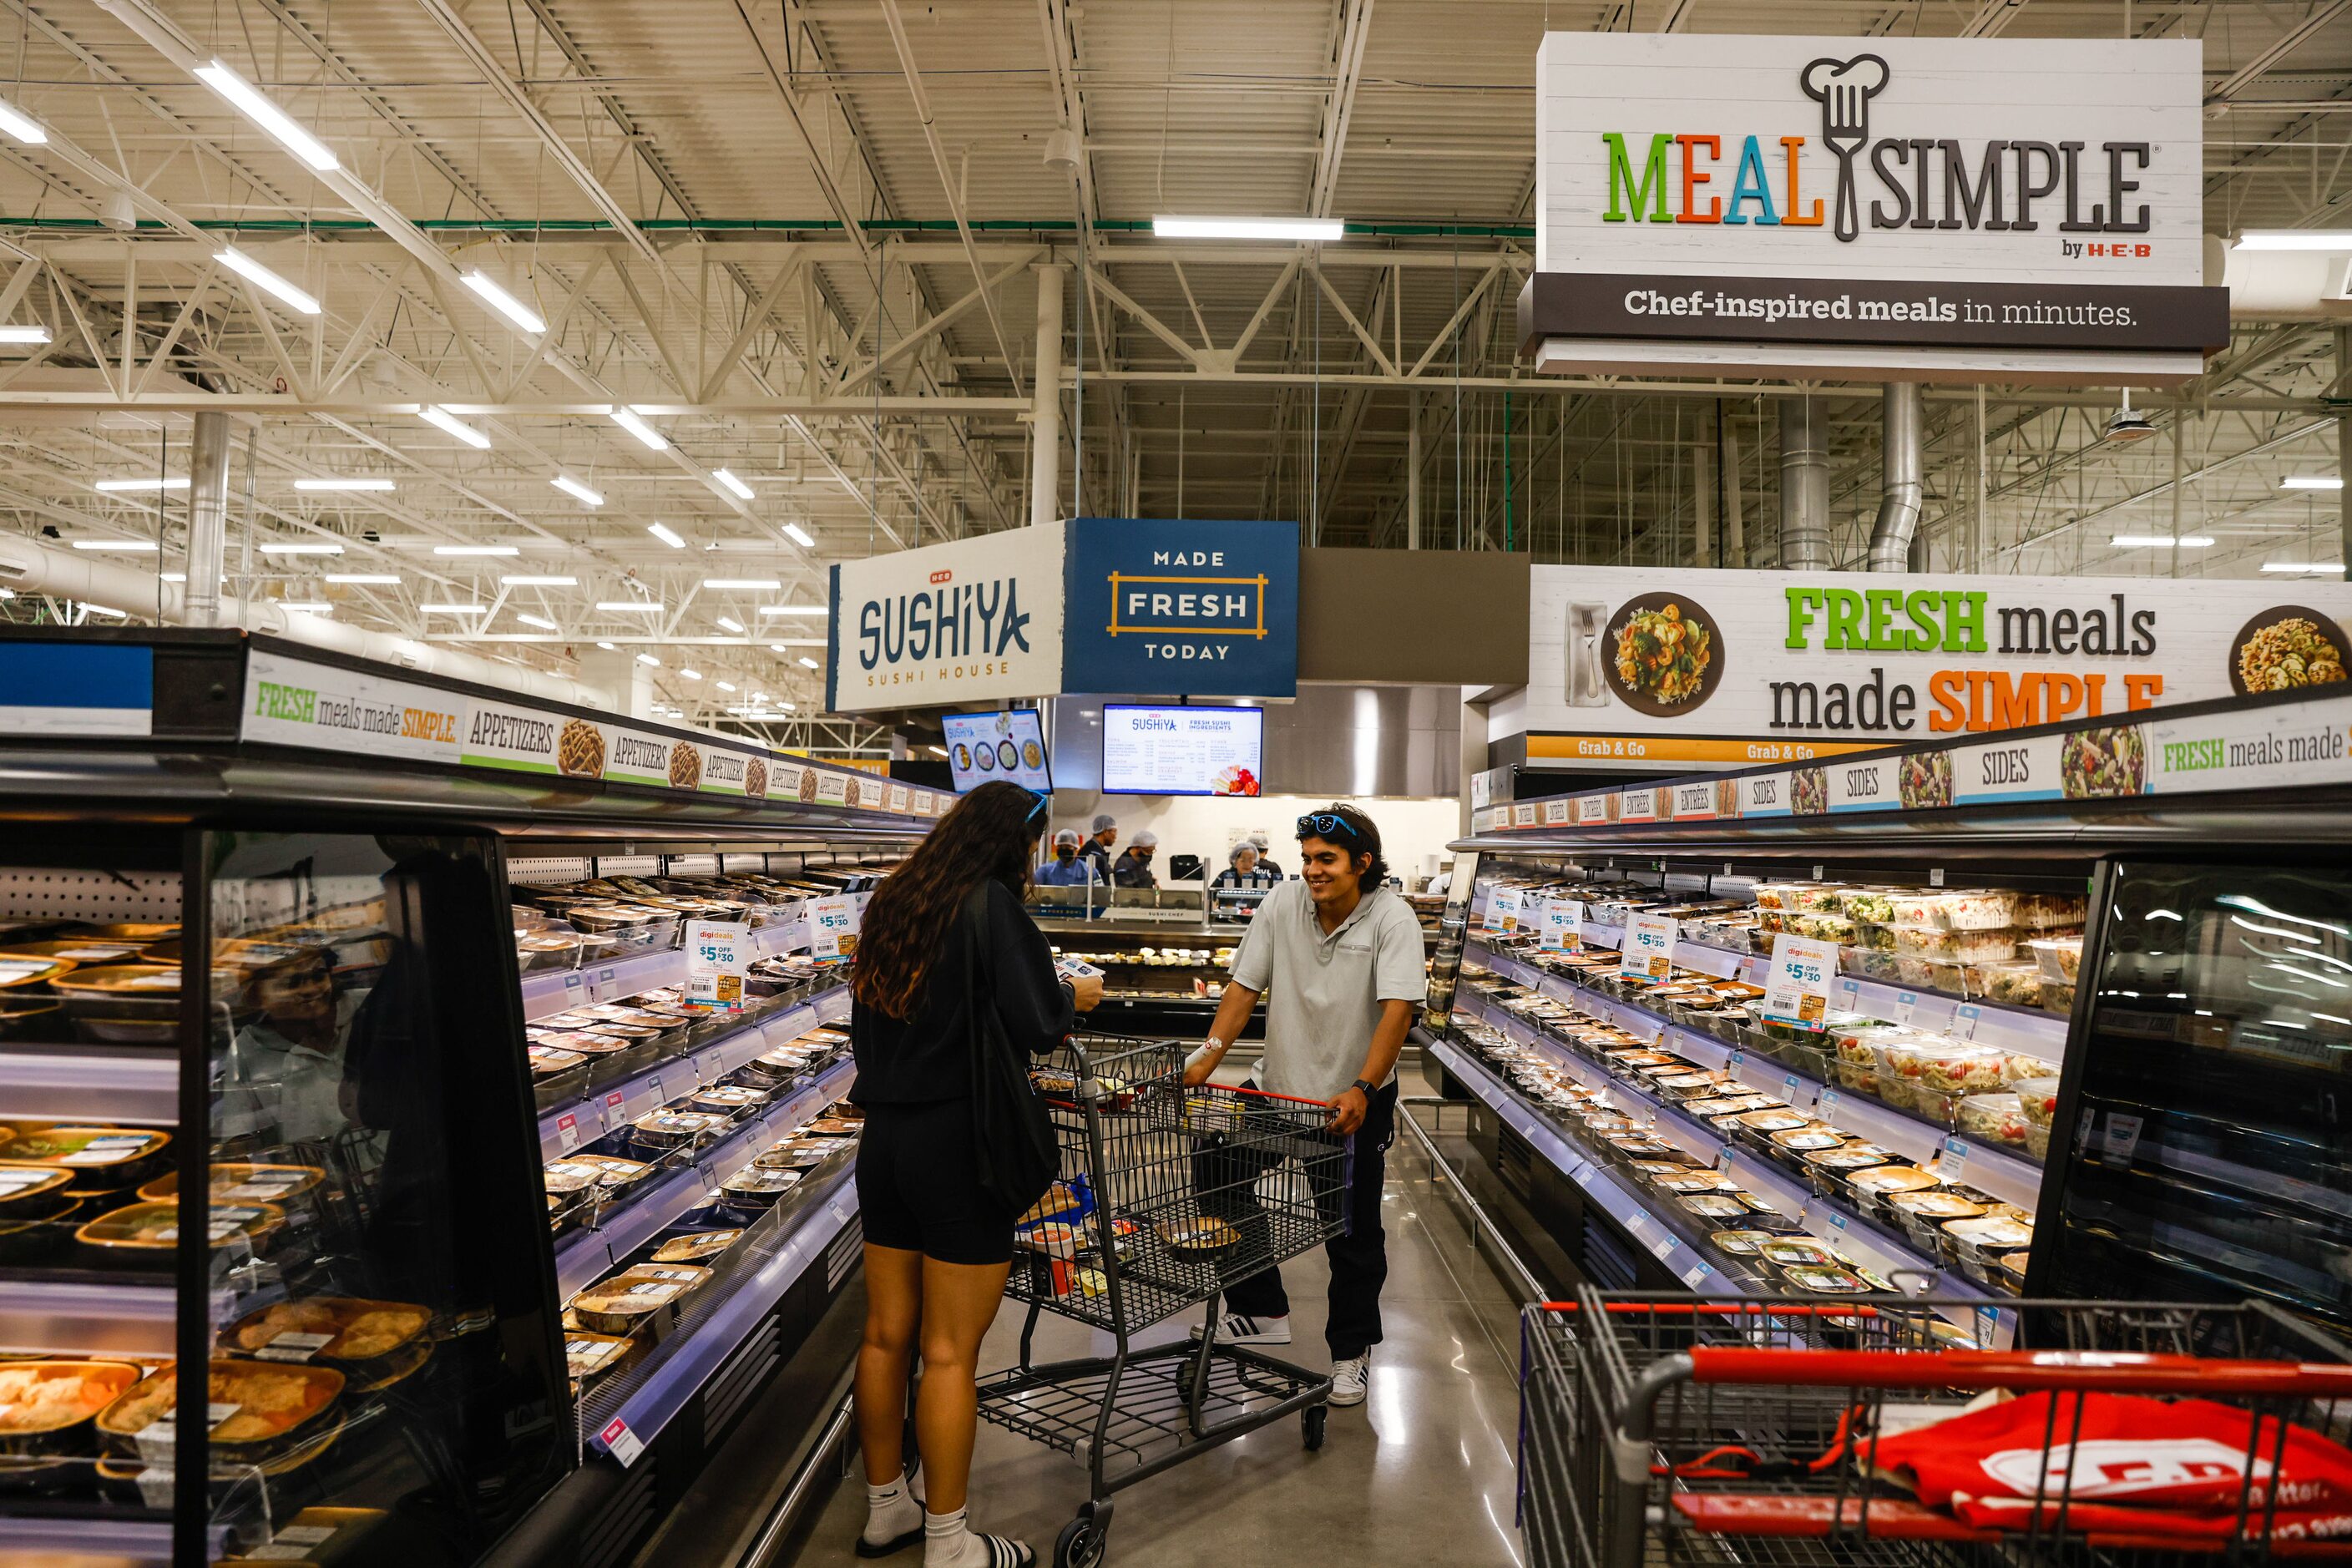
1133 868
1067 868
1101 838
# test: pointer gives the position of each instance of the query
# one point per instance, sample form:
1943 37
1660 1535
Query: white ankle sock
890 1512
948 1542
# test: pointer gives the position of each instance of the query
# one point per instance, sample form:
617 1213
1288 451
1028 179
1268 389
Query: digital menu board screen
1182 751
1003 745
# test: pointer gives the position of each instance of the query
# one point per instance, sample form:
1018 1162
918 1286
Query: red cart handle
2085 1370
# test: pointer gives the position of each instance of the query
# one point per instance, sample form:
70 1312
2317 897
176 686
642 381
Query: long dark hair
990 835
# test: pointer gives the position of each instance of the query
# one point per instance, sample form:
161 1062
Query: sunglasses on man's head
1324 824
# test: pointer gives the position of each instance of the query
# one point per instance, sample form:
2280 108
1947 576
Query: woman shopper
937 1247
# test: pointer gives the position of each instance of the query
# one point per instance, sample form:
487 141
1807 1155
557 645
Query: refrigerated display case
2078 1030
375 1074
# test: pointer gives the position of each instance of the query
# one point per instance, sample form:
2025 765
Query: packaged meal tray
757 1186
1884 1180
2046 911
1797 1252
585 1354
1871 963
2037 1098
696 1245
142 1235
664 1130
1826 1281
1958 909
1948 1066
274 1406
1938 1203
1961 946
102 1159
2060 958
1716 1206
1733 1104
568 1178
1991 1232
612 1171
2014 982
1779 1120
551 1061
47 1405
635 1297
328 1328
1633 1146
1692 1181
1996 1118
1845 1157
1823 927
1810 1138
1931 973
1740 1243
726 1099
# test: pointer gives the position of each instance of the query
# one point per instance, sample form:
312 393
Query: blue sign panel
76 689
1175 608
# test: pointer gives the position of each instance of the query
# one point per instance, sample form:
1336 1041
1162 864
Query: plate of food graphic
2286 646
1665 654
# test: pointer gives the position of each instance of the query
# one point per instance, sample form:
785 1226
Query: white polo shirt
1324 992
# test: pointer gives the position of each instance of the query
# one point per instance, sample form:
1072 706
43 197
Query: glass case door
385 1359
2206 1135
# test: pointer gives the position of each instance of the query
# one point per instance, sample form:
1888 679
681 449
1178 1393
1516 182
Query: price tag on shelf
1837 1219
1849 991
1826 1108
1563 925
1665 1246
1694 1274
1906 1004
2122 1138
1954 1161
1649 949
1637 1221
607 984
572 982
660 1098
1731 1063
1965 1019
567 1132
1504 908
1791 1088
621 1443
717 955
832 927
614 1108
1796 990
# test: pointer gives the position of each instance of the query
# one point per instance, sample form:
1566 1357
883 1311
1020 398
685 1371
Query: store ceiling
791 213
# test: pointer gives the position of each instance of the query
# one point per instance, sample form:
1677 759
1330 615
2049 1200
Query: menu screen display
1006 745
1182 751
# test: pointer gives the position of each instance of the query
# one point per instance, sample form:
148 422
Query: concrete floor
1423 1471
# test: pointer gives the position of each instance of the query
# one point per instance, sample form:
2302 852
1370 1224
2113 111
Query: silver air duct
1804 487
28 566
1898 502
207 518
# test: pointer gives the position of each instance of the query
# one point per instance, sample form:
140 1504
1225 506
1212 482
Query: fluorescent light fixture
1310 228
329 485
537 582
2161 540
687 674
375 579
476 549
761 697
631 607
574 488
504 303
442 419
136 546
453 609
15 123
793 609
778 647
725 685
648 659
799 536
666 534
605 645
2311 482
301 550
136 487
731 624
936 750
756 584
807 663
168 577
542 622
741 491
629 419
268 115
261 277
2335 239
32 332
89 609
2306 568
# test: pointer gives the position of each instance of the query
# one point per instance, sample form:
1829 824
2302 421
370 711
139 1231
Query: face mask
1064 853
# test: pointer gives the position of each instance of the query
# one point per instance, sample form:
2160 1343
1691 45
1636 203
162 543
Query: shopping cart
1702 1430
1167 1196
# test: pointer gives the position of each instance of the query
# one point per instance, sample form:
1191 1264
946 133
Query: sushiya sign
1635 667
1934 206
965 621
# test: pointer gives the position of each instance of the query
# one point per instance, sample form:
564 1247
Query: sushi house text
1958 622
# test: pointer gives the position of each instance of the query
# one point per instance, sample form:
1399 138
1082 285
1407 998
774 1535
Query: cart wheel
1080 1544
1311 1420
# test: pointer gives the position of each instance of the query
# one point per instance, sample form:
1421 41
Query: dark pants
1359 1257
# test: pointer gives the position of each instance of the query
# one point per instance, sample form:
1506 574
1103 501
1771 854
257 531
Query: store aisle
1421 1471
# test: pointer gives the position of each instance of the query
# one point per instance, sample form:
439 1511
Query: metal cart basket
1167 1196
1685 1430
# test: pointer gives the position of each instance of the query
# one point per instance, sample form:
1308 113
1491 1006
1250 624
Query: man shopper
1067 868
1342 957
1133 868
1098 848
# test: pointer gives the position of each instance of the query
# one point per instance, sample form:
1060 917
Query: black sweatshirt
911 1061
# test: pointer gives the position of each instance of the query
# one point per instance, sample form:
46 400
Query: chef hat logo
1856 81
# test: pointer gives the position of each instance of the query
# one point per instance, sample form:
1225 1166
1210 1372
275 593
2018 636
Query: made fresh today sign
1927 204
1741 667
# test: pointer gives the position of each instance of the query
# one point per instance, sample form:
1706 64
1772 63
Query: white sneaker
1349 1375
1241 1329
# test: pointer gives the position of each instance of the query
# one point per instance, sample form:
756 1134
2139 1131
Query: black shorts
918 1186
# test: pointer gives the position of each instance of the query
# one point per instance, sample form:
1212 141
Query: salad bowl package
1957 944
1997 1118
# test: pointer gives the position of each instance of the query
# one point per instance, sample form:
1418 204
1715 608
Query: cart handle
1270 1094
1719 1308
2082 1369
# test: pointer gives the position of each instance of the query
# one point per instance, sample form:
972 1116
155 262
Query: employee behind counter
1133 867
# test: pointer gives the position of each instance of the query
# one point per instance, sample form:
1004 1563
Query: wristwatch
1364 1084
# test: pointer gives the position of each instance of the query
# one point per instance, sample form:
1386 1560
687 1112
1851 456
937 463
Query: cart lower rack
1167 1196
1687 1430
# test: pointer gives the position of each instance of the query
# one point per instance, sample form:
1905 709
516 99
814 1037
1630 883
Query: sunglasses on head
1324 824
1038 810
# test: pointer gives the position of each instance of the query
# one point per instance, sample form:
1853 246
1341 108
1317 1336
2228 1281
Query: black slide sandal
911 1538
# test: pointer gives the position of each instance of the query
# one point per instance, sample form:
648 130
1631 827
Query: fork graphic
1844 89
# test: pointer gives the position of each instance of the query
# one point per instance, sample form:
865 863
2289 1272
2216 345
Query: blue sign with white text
1177 608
